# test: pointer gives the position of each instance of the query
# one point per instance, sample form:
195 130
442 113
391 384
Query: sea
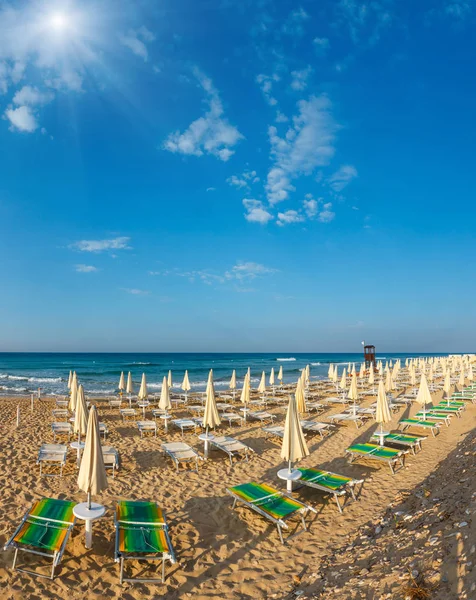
25 373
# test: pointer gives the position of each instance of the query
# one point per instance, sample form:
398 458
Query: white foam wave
315 364
286 359
45 379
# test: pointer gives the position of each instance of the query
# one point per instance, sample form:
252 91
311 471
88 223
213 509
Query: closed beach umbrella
164 402
335 375
423 396
271 377
92 477
121 385
362 371
169 380
388 381
245 394
353 394
81 414
280 374
211 417
382 414
371 375
470 373
330 371
294 445
343 381
461 379
307 373
447 385
129 386
70 379
300 398
142 395
262 384
233 381
73 393
186 384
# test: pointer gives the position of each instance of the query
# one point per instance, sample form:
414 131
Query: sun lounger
62 403
141 534
103 429
128 413
232 447
43 531
232 418
371 451
315 427
443 408
261 415
181 452
276 430
357 419
434 416
62 429
196 408
184 424
331 483
335 400
115 403
433 426
401 439
316 406
111 458
147 426
198 421
270 503
52 455
455 403
60 413
224 406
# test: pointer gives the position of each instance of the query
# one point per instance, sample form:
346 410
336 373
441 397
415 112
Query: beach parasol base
289 477
88 515
205 438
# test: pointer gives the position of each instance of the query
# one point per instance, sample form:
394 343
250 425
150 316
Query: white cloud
136 40
256 212
365 20
210 134
266 83
290 216
85 269
119 243
21 119
241 271
326 215
321 45
307 144
211 189
237 181
342 177
281 118
458 9
310 206
248 270
135 291
32 96
300 78
294 23
245 180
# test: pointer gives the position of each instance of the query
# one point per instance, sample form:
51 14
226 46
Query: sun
58 21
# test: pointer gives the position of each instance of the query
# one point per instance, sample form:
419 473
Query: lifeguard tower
369 355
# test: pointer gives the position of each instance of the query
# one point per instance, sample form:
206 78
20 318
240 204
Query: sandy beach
235 554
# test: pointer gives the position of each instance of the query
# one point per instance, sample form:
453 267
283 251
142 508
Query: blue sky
241 176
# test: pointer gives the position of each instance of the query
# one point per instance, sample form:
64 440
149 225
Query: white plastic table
165 419
88 515
78 446
205 439
289 476
381 435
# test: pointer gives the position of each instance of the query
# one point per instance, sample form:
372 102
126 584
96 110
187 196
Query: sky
237 175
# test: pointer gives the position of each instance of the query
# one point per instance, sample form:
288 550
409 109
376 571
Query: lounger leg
234 504
338 503
303 523
280 534
351 490
53 570
231 462
121 576
163 569
391 468
15 559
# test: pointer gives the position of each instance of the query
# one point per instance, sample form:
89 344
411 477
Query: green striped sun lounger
456 403
44 531
402 439
141 534
442 408
389 455
434 416
330 483
422 424
270 503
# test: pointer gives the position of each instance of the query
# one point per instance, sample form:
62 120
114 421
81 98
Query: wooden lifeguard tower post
369 355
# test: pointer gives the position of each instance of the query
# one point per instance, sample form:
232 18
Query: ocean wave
315 364
286 359
45 379
111 391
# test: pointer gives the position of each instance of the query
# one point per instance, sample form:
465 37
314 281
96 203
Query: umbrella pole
205 443
79 449
89 500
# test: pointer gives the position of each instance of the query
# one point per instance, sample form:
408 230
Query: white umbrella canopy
129 386
73 393
362 371
81 414
447 385
423 396
300 398
164 402
143 393
335 374
280 374
388 381
262 383
271 376
245 392
343 381
211 418
382 414
330 371
169 380
371 379
70 379
294 444
186 383
233 381
307 373
92 477
353 393
121 385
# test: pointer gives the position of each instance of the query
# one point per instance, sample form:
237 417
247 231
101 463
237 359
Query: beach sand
222 553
